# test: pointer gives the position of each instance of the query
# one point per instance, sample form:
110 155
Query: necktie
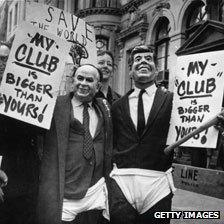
141 117
88 141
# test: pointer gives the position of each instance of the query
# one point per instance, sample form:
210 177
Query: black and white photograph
111 111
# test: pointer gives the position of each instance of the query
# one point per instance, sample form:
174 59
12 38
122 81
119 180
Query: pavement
190 201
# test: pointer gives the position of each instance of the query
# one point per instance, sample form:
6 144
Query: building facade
121 24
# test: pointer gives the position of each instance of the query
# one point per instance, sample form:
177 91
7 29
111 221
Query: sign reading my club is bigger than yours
32 76
198 96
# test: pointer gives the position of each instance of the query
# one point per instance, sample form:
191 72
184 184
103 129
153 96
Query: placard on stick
68 27
198 96
32 76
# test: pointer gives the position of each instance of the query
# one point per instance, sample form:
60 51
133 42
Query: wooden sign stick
201 128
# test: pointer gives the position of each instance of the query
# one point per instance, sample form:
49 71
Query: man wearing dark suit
20 153
77 155
141 178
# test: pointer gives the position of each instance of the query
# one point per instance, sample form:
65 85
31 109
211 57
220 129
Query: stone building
166 25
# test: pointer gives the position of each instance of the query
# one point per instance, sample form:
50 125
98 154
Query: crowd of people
102 161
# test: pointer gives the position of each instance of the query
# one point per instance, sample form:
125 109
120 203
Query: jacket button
91 163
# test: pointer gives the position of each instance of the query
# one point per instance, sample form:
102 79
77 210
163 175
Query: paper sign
68 27
198 96
32 76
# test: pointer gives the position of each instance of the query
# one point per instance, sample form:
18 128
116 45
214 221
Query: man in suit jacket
141 178
76 159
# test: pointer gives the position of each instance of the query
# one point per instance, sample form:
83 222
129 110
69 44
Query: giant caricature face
143 67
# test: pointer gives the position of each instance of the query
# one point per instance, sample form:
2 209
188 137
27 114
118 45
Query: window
60 4
197 14
129 83
16 14
10 21
104 3
162 43
75 5
102 43
94 3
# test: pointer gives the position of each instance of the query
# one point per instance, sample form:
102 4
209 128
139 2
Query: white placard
68 27
198 96
32 76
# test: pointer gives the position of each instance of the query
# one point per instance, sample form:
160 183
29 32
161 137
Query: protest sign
198 95
32 76
68 27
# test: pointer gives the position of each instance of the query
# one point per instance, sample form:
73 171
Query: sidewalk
189 201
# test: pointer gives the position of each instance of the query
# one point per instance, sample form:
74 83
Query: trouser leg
164 205
18 210
88 217
121 211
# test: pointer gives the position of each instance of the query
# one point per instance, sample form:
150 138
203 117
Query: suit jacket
52 173
146 151
112 96
20 157
18 146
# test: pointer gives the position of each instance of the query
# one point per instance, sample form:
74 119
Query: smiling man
105 62
141 178
77 155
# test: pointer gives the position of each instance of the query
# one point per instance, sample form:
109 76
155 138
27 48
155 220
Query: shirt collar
77 103
150 91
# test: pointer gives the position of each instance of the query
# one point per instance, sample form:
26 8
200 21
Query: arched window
162 43
102 42
196 15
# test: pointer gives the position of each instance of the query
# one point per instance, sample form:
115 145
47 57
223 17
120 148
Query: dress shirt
78 110
147 98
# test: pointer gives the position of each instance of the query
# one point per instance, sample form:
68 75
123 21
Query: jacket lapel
104 109
62 121
126 112
100 120
159 99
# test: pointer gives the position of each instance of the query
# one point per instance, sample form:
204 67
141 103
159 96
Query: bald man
77 155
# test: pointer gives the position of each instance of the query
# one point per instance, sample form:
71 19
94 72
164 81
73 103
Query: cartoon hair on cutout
77 52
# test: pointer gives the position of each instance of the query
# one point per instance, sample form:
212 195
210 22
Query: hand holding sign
214 121
198 95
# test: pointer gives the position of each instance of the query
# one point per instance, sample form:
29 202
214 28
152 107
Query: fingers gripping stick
217 121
